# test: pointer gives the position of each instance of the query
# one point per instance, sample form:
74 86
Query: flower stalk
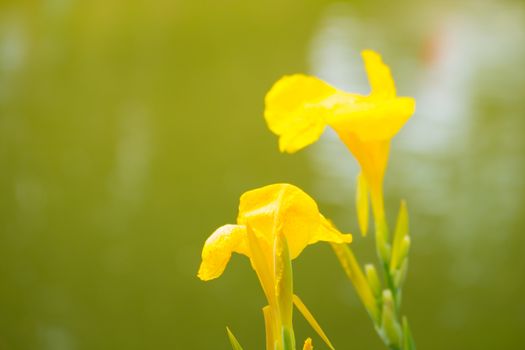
385 309
274 225
298 109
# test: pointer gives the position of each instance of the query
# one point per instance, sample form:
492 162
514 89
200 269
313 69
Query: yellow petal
218 249
362 203
328 233
372 118
311 320
372 157
262 263
293 110
280 207
379 76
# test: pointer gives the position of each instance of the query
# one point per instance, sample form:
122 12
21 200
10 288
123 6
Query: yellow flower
274 225
299 107
268 211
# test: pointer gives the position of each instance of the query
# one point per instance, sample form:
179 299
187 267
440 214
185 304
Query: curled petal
218 249
328 233
379 75
294 110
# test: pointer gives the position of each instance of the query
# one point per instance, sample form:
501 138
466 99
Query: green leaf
373 279
311 320
283 278
270 326
288 338
389 323
233 340
355 274
407 336
400 275
400 245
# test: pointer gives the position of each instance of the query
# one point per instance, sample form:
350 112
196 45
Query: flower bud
389 324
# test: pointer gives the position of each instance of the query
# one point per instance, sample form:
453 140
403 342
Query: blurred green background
128 131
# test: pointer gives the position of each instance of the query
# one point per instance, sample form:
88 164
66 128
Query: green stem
384 249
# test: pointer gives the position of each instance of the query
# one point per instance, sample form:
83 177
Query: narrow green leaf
383 246
288 338
373 279
407 336
283 277
270 326
355 274
389 322
400 275
233 340
399 237
311 320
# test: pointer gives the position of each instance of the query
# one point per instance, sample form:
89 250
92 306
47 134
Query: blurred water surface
128 130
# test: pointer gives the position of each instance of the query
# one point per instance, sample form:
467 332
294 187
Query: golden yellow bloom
268 211
299 107
274 225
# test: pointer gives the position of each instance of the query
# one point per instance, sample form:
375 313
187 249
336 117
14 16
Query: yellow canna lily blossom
268 211
275 223
299 107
